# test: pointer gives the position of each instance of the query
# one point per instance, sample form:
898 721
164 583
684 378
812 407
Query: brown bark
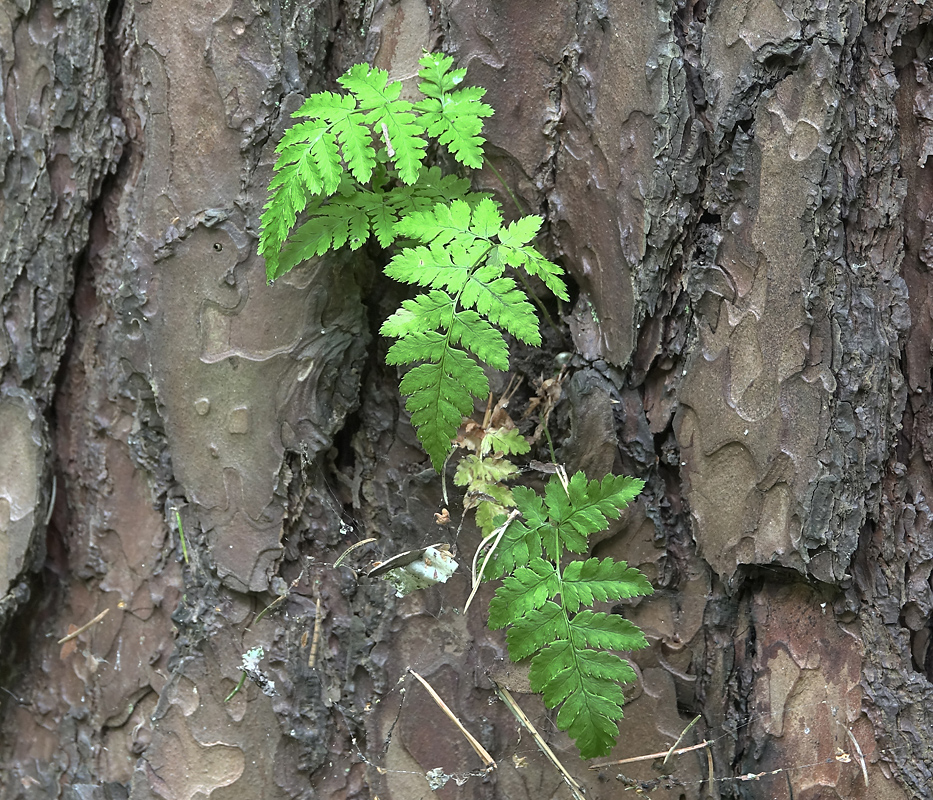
739 193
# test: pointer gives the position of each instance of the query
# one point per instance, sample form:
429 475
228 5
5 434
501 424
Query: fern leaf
382 218
585 506
427 312
498 299
490 516
332 227
587 683
432 188
523 592
503 303
480 474
520 233
430 267
455 118
507 441
440 392
535 629
442 224
522 540
437 309
596 629
585 582
346 123
518 545
392 119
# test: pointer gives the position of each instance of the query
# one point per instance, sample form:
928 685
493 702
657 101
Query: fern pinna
354 167
540 602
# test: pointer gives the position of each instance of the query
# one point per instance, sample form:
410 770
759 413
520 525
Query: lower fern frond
540 604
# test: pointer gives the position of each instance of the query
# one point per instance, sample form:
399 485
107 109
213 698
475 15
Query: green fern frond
507 441
451 262
353 165
392 120
541 604
454 118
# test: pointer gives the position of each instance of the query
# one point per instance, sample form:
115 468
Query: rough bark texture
739 191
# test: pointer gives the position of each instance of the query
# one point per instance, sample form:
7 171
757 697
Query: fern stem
505 186
550 443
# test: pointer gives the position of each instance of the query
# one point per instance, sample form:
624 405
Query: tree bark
738 192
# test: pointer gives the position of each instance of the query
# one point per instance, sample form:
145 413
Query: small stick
268 608
858 750
316 634
562 474
83 628
385 133
488 760
236 688
632 760
680 738
575 788
51 508
351 548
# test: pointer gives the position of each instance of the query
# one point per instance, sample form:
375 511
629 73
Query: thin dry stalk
83 628
680 738
316 635
488 760
498 533
632 760
858 750
351 548
268 608
576 789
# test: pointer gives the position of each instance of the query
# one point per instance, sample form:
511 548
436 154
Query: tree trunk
739 194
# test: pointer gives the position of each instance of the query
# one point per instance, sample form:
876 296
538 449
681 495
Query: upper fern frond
454 118
353 165
366 133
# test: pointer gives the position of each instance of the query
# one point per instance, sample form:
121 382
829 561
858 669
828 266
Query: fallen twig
481 751
76 633
498 533
680 738
576 789
316 635
633 759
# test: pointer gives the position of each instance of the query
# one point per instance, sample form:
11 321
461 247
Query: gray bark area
739 192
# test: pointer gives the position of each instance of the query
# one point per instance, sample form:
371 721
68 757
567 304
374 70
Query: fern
540 603
354 167
469 301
